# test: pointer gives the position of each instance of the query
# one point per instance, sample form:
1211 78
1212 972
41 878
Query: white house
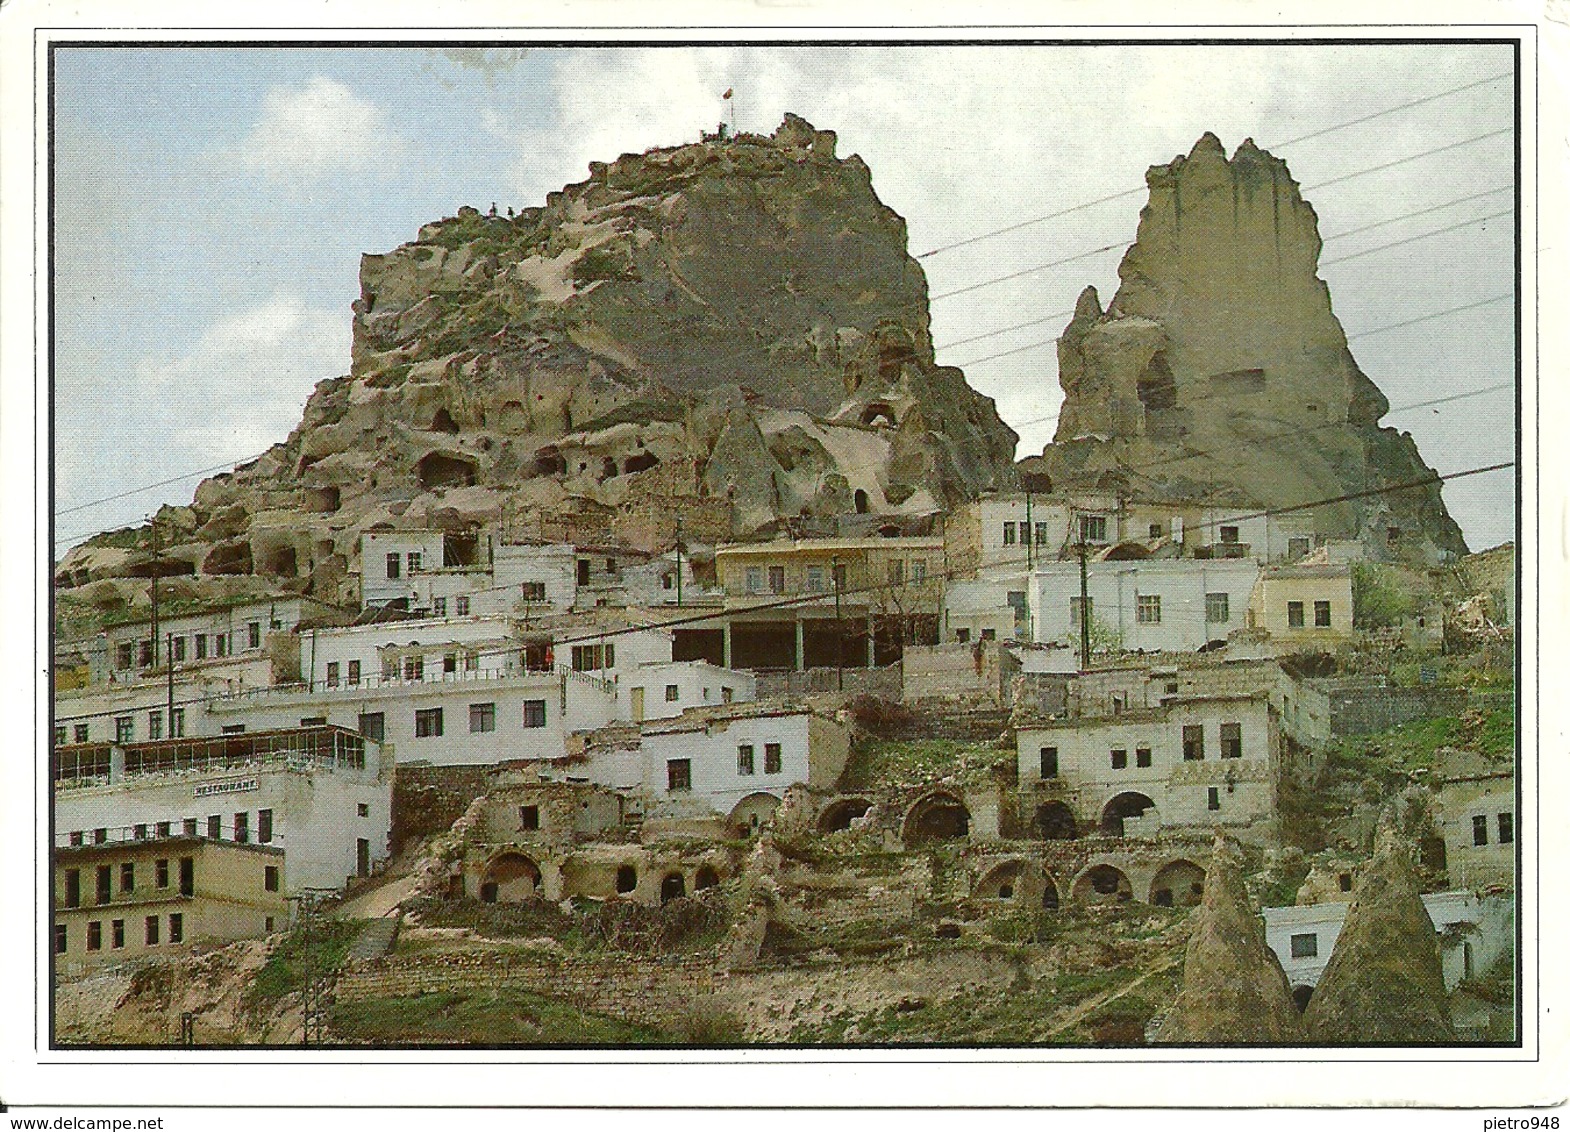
1196 761
323 794
390 559
1152 605
1474 931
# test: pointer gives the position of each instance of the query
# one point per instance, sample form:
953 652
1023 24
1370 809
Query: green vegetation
300 957
482 1017
1380 598
875 761
607 263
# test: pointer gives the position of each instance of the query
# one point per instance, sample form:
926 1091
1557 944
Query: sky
211 206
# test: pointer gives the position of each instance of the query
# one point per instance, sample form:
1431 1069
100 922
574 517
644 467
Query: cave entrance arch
1103 884
443 422
1002 883
1178 884
436 470
861 501
838 815
1129 804
1054 821
878 413
673 887
510 878
936 817
706 878
753 812
626 879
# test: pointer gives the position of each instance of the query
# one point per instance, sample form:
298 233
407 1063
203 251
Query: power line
160 483
1420 236
1419 212
1407 160
1430 318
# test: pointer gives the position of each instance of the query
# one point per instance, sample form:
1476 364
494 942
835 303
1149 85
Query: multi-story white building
1195 761
323 794
1153 605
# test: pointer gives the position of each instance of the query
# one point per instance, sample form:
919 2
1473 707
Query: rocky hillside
1219 365
733 329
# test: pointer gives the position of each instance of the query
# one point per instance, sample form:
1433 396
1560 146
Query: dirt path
1080 1012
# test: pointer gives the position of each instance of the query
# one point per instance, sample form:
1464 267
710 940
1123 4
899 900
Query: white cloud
318 130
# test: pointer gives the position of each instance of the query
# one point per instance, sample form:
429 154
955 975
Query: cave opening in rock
839 815
860 499
937 817
1054 821
443 422
642 462
878 413
436 470
549 461
1157 387
321 500
672 887
626 879
608 468
1126 805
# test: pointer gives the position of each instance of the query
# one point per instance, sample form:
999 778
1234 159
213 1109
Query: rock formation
1219 365
731 329
1234 991
1384 983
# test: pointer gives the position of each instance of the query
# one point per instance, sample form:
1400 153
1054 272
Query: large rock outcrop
733 329
1219 365
1234 990
1384 984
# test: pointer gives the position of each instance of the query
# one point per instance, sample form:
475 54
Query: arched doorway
1050 900
510 878
838 815
1126 805
706 878
1103 884
1054 821
1002 883
1178 884
626 879
937 817
860 501
672 887
753 812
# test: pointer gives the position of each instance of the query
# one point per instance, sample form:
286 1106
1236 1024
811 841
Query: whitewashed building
1194 762
1151 605
323 794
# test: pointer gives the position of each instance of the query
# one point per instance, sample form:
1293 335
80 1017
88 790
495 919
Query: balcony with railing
95 764
522 674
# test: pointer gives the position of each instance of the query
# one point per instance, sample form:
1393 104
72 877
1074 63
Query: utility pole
839 628
678 560
1030 534
169 652
157 558
1084 606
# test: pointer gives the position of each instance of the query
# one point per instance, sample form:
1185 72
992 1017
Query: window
334 671
179 648
161 829
215 827
100 835
79 733
610 566
242 827
1092 528
1479 830
1147 609
534 713
1344 882
124 729
1119 759
155 725
1074 613
1217 609
150 930
416 561
1155 530
232 729
533 591
482 717
161 872
61 939
678 774
177 723
672 693
427 722
73 888
1193 741
76 839
392 564
127 876
1008 534
989 634
755 579
897 572
201 646
461 605
139 831
354 672
122 655
187 876
471 661
1141 756
583 571
438 607
667 581
744 763
1231 740
389 666
528 817
1506 828
1297 547
1043 533
220 644
313 721
772 760
1294 615
1049 762
1305 945
1229 534
373 725
839 577
269 879
414 668
815 582
144 653
177 926
188 827
264 827
1322 614
727 695
117 934
918 570
962 635
363 810
95 935
1213 798
103 878
776 579
253 634
587 658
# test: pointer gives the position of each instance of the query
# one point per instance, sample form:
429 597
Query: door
637 705
362 857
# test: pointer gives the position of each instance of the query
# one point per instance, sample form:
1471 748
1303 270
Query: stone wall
885 683
978 670
632 989
1365 710
428 799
